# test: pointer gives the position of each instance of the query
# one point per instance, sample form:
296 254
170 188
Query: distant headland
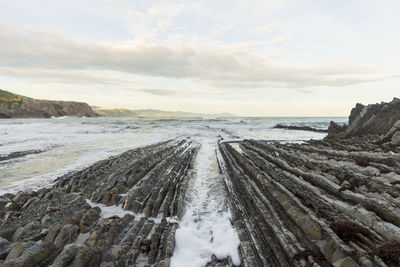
154 113
17 106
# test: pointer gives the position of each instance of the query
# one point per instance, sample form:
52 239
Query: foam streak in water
206 229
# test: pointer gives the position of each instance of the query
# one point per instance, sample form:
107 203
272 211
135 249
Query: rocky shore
323 203
332 202
122 211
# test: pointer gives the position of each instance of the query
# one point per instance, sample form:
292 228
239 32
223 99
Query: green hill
6 94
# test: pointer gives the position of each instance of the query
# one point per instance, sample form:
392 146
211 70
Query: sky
251 58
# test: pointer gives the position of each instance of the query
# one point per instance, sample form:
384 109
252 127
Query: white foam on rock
206 228
109 211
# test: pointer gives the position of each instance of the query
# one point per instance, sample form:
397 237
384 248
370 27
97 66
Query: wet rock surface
56 226
20 154
333 202
299 128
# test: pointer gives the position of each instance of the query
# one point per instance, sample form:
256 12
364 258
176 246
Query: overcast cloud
177 49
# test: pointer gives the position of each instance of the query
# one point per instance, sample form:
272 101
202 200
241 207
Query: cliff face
15 106
381 121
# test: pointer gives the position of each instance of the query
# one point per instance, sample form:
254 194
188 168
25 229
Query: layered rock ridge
321 203
121 211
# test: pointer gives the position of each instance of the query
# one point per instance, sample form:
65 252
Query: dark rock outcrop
56 226
336 129
379 121
299 128
16 106
19 154
322 203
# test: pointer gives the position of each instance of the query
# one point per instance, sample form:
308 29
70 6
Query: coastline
327 202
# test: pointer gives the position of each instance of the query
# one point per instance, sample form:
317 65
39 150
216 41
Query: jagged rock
90 217
39 254
18 249
86 257
396 138
57 226
67 234
28 230
66 257
328 202
52 234
336 130
376 119
321 203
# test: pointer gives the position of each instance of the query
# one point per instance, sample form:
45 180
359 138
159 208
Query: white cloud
264 29
220 30
220 65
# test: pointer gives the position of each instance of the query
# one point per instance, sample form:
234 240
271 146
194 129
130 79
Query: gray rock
66 257
88 219
18 249
28 230
52 233
396 138
375 119
346 262
86 257
67 234
39 254
71 233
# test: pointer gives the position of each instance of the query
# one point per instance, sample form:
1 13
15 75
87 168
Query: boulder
39 254
87 257
66 257
396 138
67 234
18 249
90 217
28 230
336 129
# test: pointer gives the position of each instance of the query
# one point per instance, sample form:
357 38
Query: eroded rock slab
322 203
56 226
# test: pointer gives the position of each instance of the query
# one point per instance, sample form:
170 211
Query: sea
34 152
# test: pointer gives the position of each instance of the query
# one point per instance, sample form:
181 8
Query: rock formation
332 202
15 106
379 121
321 203
56 226
299 128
